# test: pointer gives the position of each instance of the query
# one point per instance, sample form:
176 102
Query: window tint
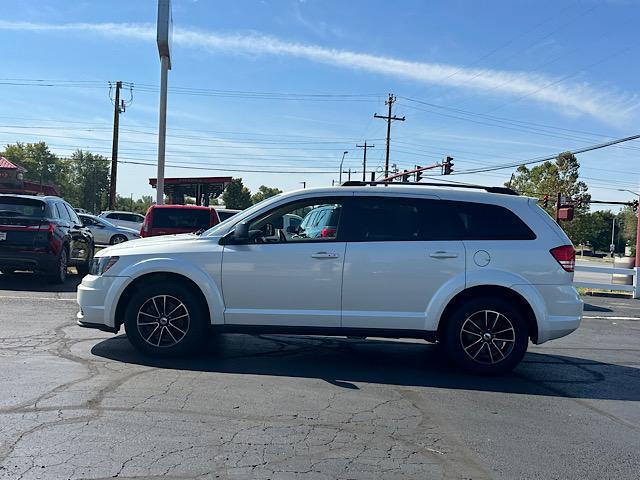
184 218
24 207
376 219
115 216
62 211
491 222
72 214
132 217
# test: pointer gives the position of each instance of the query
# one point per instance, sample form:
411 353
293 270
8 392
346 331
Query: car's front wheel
165 319
487 335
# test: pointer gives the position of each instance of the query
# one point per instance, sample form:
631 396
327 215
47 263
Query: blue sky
488 83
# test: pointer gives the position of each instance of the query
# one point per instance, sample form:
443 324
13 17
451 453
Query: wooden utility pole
114 147
364 159
388 118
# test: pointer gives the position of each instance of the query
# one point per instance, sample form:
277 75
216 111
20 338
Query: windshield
21 207
238 217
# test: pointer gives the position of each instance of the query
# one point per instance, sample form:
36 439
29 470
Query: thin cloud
569 98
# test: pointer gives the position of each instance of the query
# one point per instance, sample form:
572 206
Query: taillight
328 232
144 230
565 256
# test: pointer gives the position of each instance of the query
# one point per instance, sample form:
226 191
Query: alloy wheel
487 337
163 321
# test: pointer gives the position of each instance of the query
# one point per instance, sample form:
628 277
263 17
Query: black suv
43 234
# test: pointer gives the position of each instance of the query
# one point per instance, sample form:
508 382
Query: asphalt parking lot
80 404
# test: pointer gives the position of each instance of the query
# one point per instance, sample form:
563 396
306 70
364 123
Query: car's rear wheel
116 239
487 336
59 273
165 319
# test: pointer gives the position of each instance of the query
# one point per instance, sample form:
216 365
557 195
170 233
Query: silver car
105 232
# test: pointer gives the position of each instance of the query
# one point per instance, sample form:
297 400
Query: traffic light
418 174
405 176
634 206
448 165
545 201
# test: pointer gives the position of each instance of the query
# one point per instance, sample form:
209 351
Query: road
77 403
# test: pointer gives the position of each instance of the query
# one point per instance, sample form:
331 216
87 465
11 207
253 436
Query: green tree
236 195
263 193
549 178
89 174
628 222
593 229
41 164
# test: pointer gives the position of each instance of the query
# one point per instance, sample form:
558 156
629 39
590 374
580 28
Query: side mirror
241 232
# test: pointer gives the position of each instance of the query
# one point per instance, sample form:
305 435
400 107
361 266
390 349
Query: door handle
443 254
324 255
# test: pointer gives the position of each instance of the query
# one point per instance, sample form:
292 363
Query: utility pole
114 147
388 118
364 159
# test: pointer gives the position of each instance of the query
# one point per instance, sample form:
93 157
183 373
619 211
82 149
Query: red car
172 219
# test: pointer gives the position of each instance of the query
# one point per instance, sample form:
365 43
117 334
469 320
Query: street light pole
341 162
164 33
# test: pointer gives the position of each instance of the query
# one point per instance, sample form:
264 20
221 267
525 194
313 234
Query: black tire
157 338
492 327
59 274
117 238
83 268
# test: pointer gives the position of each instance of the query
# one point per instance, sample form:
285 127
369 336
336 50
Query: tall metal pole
638 240
341 162
114 148
388 118
162 128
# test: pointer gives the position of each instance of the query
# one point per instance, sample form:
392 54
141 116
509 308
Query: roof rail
502 190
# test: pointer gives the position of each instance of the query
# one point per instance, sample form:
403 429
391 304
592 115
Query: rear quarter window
482 221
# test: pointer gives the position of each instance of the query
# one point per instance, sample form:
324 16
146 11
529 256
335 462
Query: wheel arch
145 279
499 291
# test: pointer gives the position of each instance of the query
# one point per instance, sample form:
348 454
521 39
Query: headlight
100 265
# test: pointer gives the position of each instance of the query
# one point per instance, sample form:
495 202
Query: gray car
105 232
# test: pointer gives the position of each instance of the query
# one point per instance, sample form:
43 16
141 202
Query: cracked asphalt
82 404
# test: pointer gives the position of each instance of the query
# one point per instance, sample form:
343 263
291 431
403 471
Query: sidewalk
613 306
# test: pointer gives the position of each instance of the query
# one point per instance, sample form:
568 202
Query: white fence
634 288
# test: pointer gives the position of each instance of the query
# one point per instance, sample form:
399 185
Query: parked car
106 233
124 219
225 213
322 221
290 226
172 219
81 210
481 272
42 234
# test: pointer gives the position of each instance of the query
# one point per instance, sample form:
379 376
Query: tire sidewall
60 274
455 350
192 341
117 235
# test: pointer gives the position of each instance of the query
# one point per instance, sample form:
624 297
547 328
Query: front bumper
97 298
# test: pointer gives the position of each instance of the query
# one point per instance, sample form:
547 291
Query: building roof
4 163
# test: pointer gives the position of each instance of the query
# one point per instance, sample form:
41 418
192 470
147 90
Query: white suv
480 272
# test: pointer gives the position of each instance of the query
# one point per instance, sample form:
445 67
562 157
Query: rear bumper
39 261
564 312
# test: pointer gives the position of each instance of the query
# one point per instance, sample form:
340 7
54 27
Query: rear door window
62 211
182 218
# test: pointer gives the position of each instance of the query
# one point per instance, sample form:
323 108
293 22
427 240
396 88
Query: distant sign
165 29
